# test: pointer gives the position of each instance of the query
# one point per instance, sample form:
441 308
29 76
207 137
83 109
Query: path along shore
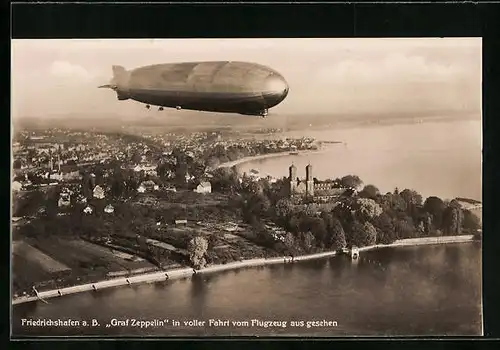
269 155
188 272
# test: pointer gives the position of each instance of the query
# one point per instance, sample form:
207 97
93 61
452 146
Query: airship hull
234 87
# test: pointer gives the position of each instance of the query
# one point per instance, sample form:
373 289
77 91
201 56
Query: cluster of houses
99 193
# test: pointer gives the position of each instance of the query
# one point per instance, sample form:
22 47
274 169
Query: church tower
292 176
309 181
51 163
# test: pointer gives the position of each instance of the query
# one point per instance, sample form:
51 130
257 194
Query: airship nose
275 89
275 84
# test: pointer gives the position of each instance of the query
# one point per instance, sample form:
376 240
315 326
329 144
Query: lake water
425 290
442 158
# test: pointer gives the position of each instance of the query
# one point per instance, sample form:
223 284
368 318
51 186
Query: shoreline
188 272
269 155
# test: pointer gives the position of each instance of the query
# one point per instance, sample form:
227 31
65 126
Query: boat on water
294 153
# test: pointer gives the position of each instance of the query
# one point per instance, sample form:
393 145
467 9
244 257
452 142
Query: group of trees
365 218
180 164
221 154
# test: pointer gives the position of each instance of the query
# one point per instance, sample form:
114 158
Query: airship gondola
222 86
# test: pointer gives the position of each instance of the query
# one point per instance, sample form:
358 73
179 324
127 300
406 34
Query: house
64 199
204 187
88 209
16 186
109 209
81 199
181 222
188 177
98 192
148 186
170 189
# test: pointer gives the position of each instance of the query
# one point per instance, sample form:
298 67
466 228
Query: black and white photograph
274 187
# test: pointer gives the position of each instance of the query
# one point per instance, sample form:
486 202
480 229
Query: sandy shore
188 272
268 155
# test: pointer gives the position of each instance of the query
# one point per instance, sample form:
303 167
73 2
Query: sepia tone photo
246 187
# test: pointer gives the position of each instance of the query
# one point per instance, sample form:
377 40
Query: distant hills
193 120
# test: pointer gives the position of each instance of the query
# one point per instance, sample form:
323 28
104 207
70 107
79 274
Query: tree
344 211
162 169
413 201
435 206
411 197
17 164
471 222
318 230
385 228
252 187
309 210
117 185
307 241
398 203
265 239
404 228
224 179
367 209
293 223
369 191
393 203
283 208
452 219
351 181
370 234
136 158
426 220
197 248
356 234
289 240
337 235
257 205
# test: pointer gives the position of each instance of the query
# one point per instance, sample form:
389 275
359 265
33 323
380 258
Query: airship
220 86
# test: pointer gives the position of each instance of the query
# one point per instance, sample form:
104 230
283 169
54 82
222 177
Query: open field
26 273
81 255
118 259
36 257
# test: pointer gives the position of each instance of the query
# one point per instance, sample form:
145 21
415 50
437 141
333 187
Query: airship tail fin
120 75
119 83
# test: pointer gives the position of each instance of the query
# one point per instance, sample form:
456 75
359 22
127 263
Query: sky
55 77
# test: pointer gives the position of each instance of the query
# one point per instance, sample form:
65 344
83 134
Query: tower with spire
51 164
309 181
292 178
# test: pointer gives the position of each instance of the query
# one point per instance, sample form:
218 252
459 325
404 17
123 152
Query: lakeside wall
188 272
421 241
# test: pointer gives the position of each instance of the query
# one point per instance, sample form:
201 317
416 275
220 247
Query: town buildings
203 187
98 192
